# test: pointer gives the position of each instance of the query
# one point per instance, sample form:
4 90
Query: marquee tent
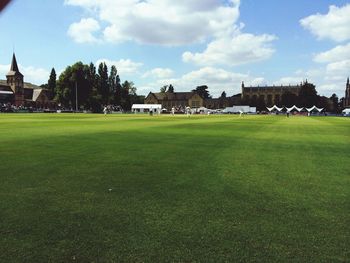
238 109
273 108
314 108
294 108
346 112
156 108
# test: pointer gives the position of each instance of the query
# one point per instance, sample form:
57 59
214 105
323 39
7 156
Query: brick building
19 93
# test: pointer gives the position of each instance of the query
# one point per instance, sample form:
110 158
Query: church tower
15 81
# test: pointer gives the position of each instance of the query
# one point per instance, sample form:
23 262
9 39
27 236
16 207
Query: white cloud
82 31
163 22
338 70
240 49
334 25
341 52
159 73
336 67
124 66
175 23
31 74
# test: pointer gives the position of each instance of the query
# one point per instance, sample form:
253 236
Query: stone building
272 95
19 93
347 95
179 100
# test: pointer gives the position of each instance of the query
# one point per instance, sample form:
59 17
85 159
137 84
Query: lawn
134 188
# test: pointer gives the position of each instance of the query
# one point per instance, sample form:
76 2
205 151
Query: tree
114 86
51 83
171 88
202 91
223 94
75 76
307 95
335 103
103 87
163 89
288 99
261 105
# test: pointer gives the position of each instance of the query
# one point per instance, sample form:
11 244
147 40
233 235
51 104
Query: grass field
125 188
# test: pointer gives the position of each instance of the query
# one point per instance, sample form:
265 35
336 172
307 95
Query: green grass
199 189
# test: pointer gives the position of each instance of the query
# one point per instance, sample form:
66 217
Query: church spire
14 67
348 82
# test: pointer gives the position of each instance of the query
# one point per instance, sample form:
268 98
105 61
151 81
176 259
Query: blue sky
185 43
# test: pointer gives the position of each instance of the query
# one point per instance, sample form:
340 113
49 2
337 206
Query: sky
186 43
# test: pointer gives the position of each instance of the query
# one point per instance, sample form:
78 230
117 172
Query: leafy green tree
74 78
223 94
163 89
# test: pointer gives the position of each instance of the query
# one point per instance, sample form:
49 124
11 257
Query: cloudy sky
186 43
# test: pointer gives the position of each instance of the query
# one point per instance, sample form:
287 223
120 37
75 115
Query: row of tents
294 108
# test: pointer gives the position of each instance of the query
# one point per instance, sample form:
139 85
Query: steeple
14 71
347 83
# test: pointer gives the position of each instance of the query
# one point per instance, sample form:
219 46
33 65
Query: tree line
84 87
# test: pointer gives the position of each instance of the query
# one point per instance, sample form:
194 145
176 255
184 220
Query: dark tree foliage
202 91
114 86
163 89
288 99
336 105
94 89
171 88
103 87
307 95
260 104
223 94
51 83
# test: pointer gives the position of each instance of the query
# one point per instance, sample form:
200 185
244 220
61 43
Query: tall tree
307 95
51 84
202 91
73 84
335 103
103 87
171 88
163 89
223 94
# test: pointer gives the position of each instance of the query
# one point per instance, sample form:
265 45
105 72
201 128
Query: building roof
36 94
274 87
14 71
26 85
173 95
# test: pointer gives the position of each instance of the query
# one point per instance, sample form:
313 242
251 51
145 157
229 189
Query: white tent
346 112
294 108
156 108
274 107
314 108
238 109
202 110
